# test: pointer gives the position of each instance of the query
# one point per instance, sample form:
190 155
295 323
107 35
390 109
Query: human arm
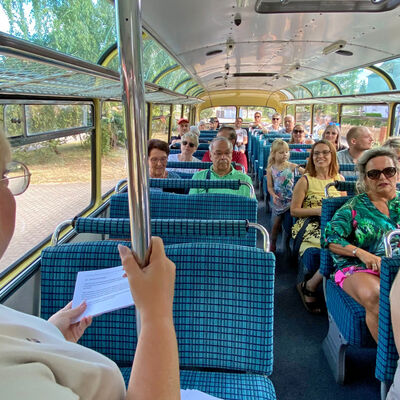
395 310
245 138
63 318
299 194
155 369
370 260
270 186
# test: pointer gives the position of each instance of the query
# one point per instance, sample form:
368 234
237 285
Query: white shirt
37 363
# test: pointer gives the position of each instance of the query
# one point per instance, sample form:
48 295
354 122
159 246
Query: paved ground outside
40 209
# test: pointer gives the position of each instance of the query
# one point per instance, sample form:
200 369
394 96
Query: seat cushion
223 385
348 315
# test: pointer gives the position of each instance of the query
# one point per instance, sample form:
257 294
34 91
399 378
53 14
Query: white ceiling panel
267 43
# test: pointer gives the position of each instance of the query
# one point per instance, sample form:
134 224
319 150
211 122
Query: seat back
194 206
174 231
112 334
329 207
223 306
386 356
298 155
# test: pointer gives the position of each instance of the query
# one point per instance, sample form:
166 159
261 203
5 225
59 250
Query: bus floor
301 370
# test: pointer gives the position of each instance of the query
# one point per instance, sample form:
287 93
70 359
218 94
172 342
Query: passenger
394 144
183 127
299 137
158 151
221 155
237 156
189 144
275 127
241 134
322 168
257 123
332 134
41 360
194 129
214 124
202 125
394 392
280 179
355 233
288 123
359 139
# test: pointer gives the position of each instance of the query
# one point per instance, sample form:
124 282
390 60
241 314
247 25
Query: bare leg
276 227
364 288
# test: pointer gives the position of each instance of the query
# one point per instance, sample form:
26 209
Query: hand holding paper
103 290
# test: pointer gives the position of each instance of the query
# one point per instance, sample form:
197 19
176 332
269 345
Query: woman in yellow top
322 168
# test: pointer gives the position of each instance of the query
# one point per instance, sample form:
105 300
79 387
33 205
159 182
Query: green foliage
112 126
83 28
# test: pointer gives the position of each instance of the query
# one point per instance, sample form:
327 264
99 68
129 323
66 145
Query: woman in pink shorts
355 233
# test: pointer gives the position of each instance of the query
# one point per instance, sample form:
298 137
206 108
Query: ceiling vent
346 53
324 6
254 74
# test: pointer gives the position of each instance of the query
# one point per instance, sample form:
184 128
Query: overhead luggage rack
29 69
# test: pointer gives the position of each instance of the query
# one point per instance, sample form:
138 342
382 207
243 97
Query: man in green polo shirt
221 156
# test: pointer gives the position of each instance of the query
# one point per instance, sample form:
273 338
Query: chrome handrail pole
130 49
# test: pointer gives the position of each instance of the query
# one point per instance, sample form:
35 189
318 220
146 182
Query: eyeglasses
257 116
162 160
297 131
276 119
16 177
322 153
185 143
375 174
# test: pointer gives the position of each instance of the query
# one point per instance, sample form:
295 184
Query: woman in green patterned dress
355 233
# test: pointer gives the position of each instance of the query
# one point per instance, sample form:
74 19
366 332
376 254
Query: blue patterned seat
346 316
195 206
387 356
174 231
223 313
112 334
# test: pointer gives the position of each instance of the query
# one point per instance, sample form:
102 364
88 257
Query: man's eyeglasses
275 119
297 131
16 177
323 153
375 174
257 116
185 143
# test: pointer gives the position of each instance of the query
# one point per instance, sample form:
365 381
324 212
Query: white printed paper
192 394
104 290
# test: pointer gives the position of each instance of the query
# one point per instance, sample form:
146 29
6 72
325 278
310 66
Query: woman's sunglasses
375 174
185 143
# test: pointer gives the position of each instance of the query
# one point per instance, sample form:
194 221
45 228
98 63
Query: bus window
324 114
373 116
12 116
60 189
42 118
247 113
396 129
113 150
303 116
160 121
186 112
225 115
291 109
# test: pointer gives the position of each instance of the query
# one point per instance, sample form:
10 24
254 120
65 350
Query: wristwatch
354 251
